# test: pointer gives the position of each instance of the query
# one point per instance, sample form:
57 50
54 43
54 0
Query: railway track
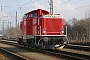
66 55
78 47
58 53
83 44
31 52
16 56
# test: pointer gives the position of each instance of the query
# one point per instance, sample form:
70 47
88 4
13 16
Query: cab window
25 16
32 15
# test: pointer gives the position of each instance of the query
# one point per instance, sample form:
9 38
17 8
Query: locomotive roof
44 11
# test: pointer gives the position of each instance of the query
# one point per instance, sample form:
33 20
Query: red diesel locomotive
42 30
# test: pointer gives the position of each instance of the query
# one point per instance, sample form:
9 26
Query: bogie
52 43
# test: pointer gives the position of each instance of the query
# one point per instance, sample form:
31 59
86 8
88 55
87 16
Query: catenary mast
51 6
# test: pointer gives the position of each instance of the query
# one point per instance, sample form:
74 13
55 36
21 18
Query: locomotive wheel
20 41
28 42
24 45
41 43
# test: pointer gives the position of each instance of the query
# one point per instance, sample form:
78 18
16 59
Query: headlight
44 30
62 31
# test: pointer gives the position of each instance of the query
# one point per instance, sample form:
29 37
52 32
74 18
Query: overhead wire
71 9
62 3
54 6
76 8
67 2
21 6
26 3
38 0
8 5
18 7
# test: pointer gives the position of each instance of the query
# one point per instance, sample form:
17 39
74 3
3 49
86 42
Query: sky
67 8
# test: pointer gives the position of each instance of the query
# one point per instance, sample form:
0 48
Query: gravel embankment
3 57
28 53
